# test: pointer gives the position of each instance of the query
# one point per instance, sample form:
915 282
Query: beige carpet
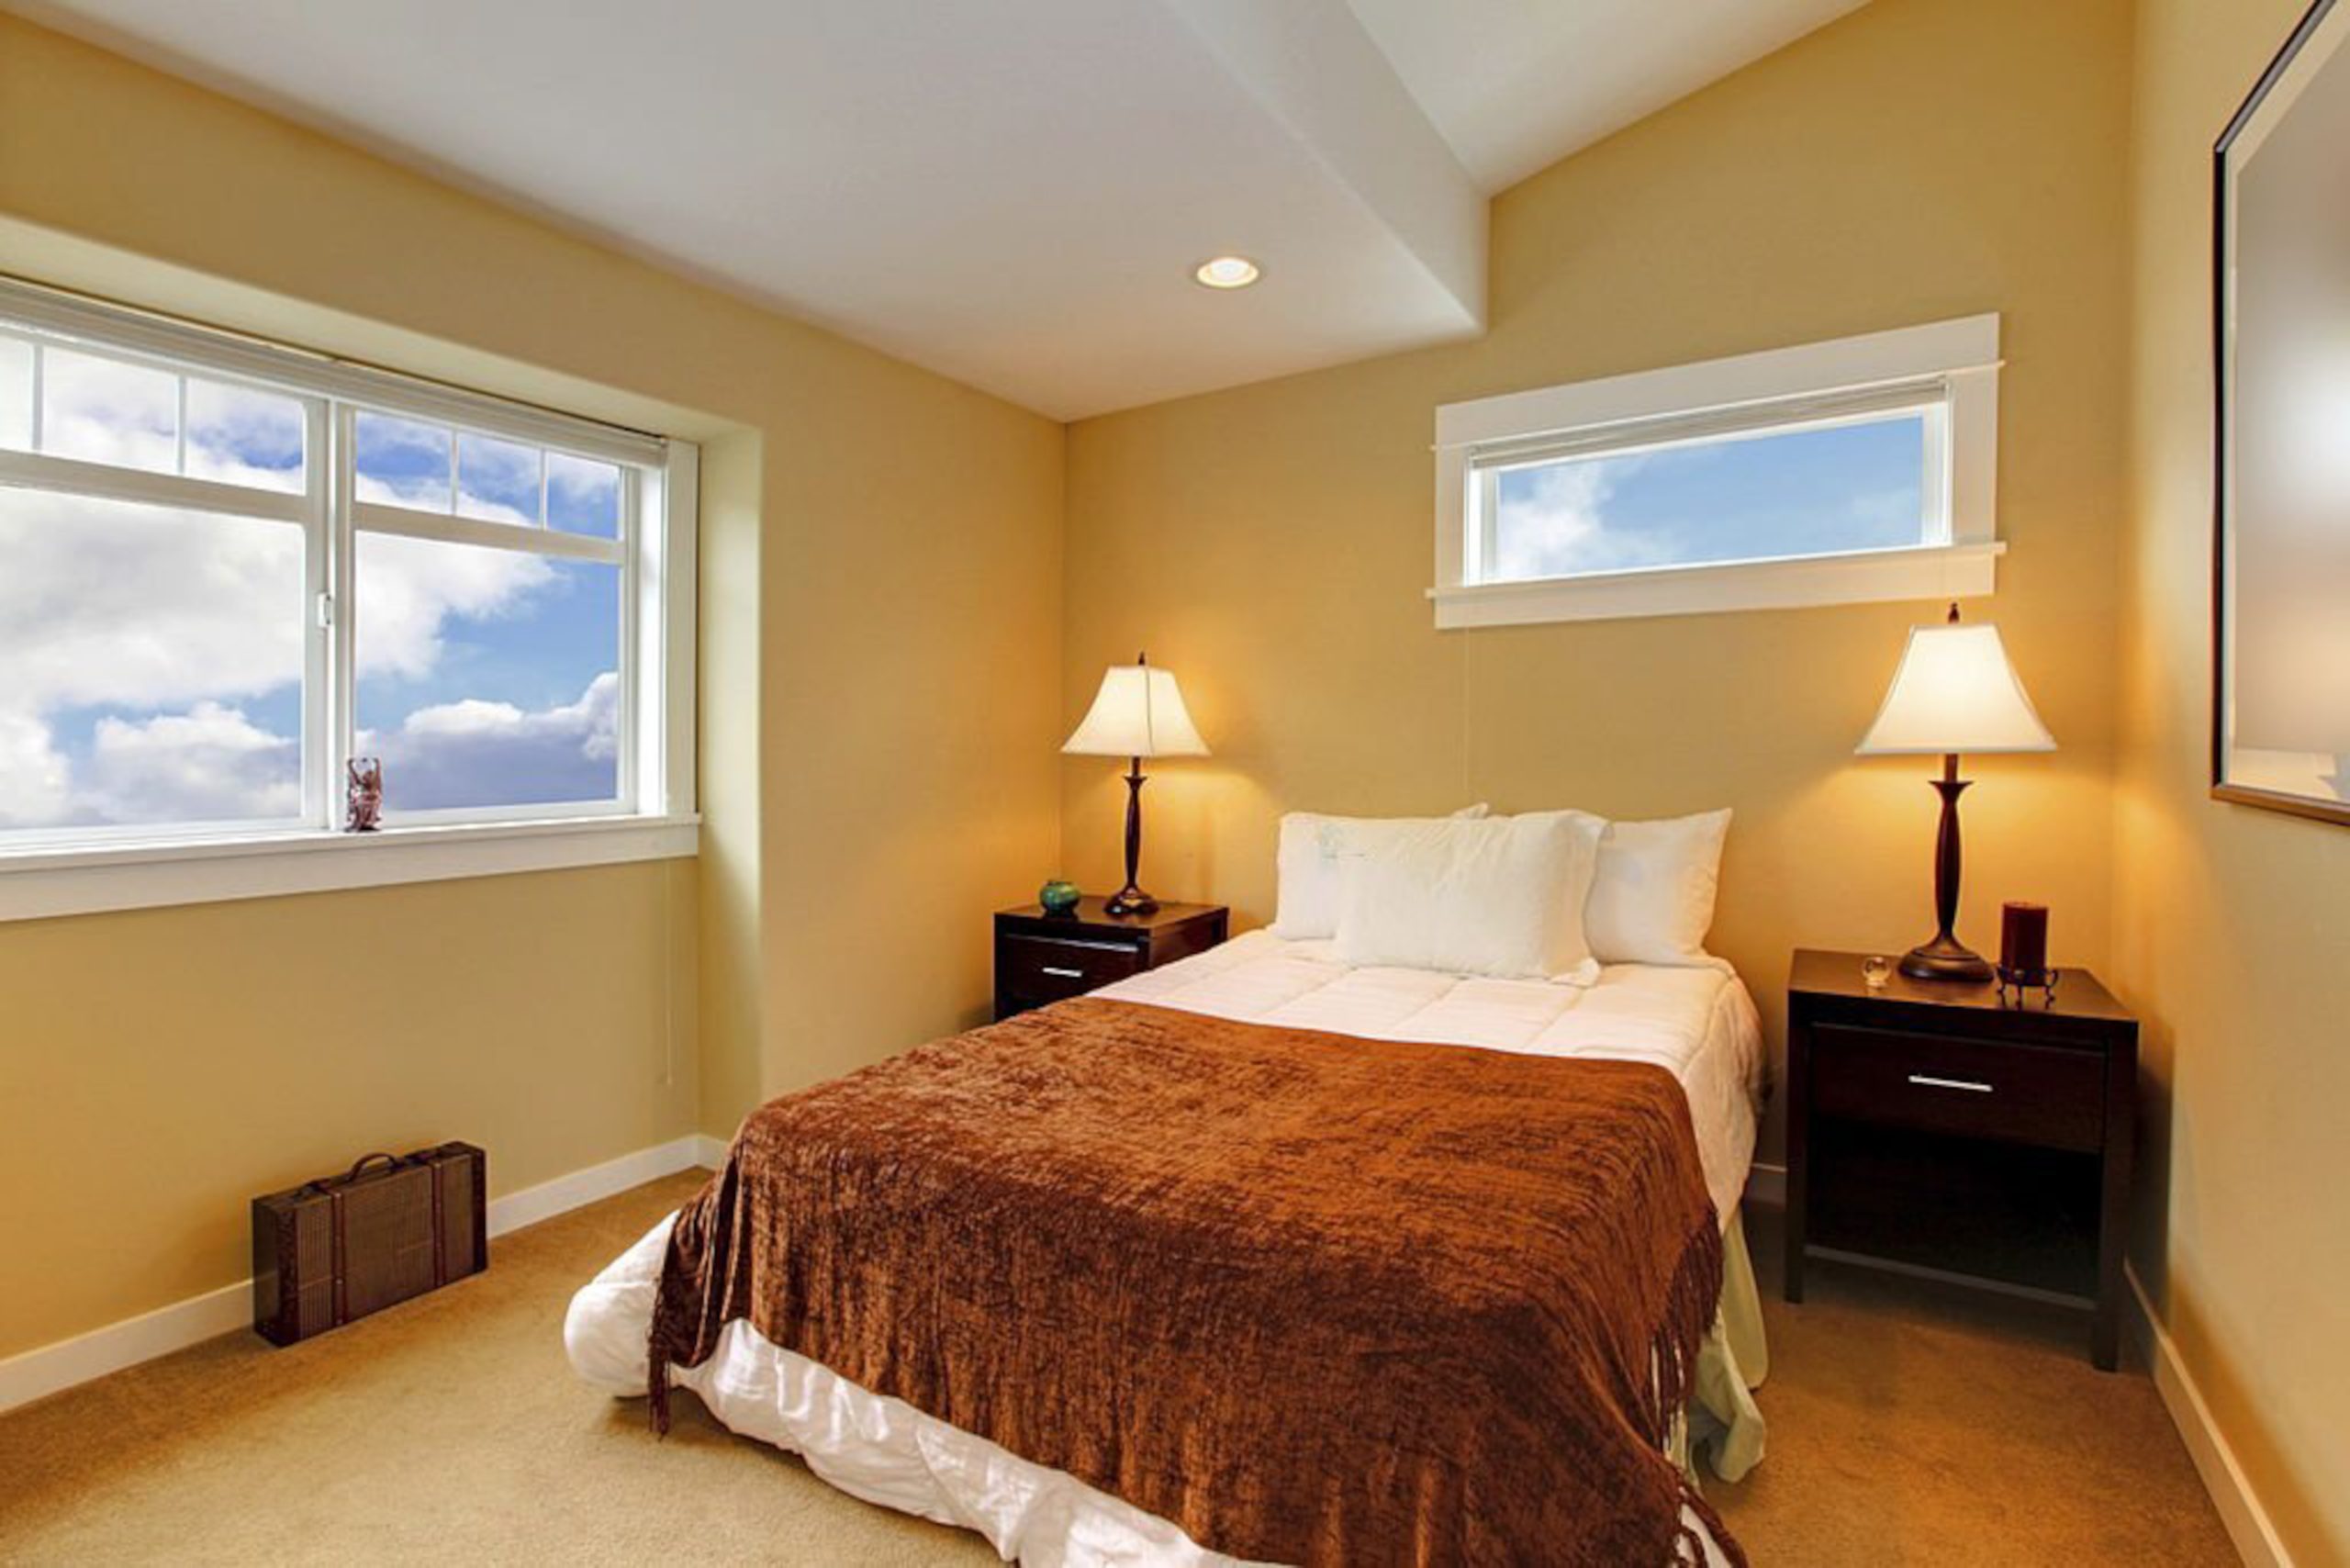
1907 1426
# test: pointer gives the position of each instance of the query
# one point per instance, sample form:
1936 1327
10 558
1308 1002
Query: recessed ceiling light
1226 271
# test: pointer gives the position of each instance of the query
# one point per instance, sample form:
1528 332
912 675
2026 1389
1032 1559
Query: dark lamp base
1945 958
1131 900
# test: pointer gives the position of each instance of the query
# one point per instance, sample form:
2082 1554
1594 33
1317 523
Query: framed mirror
2281 711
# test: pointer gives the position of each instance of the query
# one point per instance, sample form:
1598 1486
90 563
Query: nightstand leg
1798 1208
2113 1209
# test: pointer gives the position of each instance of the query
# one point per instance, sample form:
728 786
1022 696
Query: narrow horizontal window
1729 485
1770 490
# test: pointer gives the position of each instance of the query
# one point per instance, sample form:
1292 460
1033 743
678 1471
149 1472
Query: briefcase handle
391 1162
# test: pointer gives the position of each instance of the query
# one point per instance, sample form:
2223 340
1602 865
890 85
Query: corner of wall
729 1004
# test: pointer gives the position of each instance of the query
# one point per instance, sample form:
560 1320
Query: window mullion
1936 490
632 652
318 636
342 697
77 477
376 517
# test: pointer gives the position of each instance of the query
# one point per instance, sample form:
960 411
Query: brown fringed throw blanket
1316 1299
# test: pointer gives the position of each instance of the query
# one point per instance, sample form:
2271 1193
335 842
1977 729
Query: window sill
43 883
1943 571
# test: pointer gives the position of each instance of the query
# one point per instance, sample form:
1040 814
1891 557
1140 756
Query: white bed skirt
886 1451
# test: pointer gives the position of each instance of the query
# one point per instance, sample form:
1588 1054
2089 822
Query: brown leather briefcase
390 1228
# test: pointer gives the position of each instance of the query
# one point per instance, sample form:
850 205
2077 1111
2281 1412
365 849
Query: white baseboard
565 1193
43 1371
38 1372
2248 1522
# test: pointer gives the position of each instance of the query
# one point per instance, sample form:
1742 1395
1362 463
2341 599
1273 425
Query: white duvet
1698 1024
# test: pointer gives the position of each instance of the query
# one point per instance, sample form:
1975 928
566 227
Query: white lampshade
1955 691
1137 712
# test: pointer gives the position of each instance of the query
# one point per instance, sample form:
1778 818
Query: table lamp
1954 692
1138 712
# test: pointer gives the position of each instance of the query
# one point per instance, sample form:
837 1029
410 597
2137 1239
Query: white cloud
230 427
103 602
583 496
409 588
1555 522
493 753
1548 532
103 411
36 784
111 605
210 764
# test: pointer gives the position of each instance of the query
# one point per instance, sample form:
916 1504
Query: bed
1695 1024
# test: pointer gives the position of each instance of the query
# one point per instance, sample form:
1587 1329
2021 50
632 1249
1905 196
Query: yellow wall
880 630
2231 927
1921 160
893 646
160 1066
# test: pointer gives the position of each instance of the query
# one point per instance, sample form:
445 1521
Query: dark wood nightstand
1042 958
1932 1130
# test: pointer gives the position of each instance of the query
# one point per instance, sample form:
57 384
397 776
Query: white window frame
1949 368
654 816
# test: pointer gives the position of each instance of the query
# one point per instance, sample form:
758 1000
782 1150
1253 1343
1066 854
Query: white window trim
130 332
198 864
42 884
1962 356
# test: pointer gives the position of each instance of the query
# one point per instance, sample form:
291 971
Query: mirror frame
2321 15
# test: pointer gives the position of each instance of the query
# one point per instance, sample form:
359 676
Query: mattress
1698 1024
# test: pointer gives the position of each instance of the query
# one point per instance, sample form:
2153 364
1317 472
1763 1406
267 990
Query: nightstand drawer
1043 968
2044 1095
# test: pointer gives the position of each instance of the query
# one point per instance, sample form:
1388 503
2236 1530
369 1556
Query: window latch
326 611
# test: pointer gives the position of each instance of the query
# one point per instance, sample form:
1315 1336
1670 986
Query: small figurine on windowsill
363 795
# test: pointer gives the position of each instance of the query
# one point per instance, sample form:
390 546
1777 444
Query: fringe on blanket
1690 1305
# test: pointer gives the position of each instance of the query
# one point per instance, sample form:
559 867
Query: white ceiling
1516 85
1011 192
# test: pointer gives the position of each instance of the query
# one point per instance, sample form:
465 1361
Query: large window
1852 470
227 571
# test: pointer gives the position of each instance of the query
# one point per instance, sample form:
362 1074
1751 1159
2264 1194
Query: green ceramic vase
1058 897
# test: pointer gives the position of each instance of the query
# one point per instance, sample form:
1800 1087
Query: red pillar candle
2023 938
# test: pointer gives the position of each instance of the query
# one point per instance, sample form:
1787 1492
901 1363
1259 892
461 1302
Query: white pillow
1502 897
1307 870
1652 899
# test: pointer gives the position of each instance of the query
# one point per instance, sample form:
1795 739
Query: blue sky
151 658
1808 492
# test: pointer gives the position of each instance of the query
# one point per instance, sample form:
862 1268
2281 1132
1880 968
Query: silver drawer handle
1926 1081
1063 974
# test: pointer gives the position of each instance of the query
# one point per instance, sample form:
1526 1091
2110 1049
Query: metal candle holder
2021 982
